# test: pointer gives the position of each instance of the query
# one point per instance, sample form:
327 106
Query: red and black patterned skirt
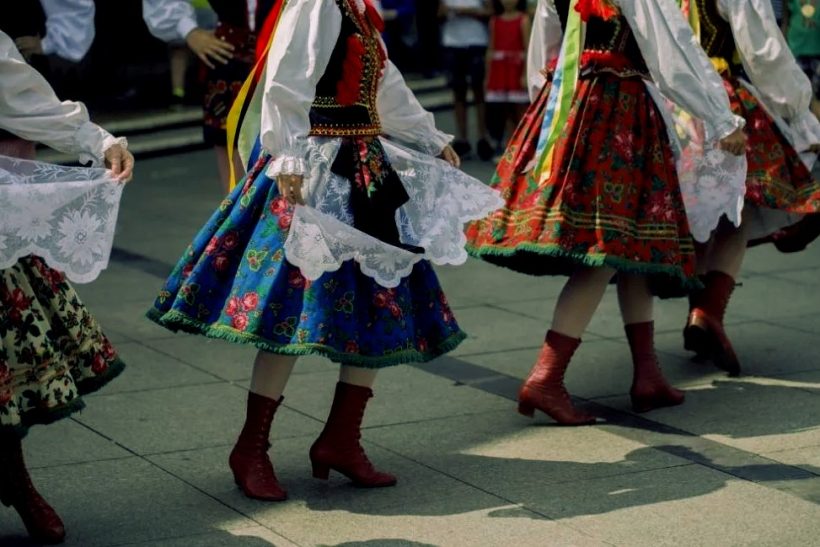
612 198
777 178
224 82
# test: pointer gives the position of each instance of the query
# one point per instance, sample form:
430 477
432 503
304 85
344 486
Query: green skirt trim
177 321
524 258
51 415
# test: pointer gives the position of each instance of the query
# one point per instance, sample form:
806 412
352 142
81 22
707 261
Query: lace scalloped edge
59 265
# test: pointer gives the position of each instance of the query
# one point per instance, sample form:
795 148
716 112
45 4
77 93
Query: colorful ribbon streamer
564 82
245 116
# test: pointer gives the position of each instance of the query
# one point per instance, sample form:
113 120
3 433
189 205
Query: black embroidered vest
607 36
345 102
716 37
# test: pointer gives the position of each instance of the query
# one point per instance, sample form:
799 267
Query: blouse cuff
286 165
724 128
185 27
806 130
93 141
434 144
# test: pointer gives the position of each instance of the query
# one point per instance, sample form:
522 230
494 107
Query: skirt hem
520 259
177 321
50 416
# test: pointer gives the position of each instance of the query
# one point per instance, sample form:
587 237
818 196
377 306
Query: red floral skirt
777 178
612 198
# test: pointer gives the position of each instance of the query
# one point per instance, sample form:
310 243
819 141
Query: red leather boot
249 461
339 447
704 332
544 387
16 490
650 390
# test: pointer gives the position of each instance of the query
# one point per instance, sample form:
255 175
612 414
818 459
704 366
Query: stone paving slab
148 369
181 418
124 501
232 362
401 395
687 505
67 442
427 507
742 413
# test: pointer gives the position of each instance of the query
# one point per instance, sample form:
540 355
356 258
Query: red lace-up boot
544 388
339 447
704 332
650 390
249 461
16 490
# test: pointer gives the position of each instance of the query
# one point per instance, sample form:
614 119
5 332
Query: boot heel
526 410
321 471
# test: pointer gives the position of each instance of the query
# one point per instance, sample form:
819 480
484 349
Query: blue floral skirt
234 283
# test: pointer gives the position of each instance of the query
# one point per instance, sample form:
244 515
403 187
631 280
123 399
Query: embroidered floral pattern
246 293
612 198
777 178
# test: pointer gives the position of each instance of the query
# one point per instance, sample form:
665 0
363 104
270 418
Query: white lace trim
712 182
66 215
442 199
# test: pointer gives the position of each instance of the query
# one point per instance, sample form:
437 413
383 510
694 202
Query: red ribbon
595 8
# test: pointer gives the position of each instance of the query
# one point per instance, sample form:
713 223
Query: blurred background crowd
104 53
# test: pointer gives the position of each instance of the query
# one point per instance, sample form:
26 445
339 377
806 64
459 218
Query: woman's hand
734 143
450 156
29 46
290 187
208 47
121 163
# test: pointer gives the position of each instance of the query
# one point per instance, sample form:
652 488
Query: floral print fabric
234 283
52 350
777 178
612 198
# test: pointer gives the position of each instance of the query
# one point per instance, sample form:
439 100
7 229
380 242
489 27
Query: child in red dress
507 97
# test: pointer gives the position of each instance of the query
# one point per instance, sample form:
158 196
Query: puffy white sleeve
69 28
545 44
30 109
766 57
301 49
678 64
169 20
403 118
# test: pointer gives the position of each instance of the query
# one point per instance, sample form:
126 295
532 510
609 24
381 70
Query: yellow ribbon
235 114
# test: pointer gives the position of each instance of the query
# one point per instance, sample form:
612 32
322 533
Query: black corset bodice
235 12
715 33
345 102
607 36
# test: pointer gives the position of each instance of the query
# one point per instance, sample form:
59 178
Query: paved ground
145 464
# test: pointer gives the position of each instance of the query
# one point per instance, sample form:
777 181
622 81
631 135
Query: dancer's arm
171 20
770 64
30 109
403 117
545 44
679 66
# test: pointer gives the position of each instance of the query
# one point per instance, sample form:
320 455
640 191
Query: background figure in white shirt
465 37
69 34
228 52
